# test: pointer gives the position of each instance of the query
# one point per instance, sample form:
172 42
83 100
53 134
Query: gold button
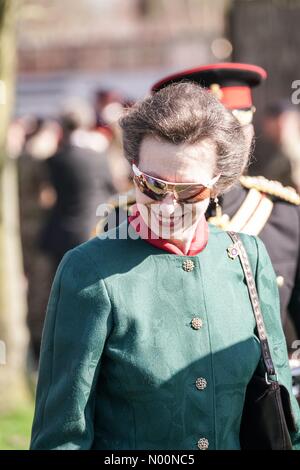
197 323
203 443
188 265
280 281
201 383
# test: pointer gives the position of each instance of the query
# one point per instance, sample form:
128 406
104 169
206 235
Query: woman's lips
168 221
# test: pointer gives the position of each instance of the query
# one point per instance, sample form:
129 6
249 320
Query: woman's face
176 164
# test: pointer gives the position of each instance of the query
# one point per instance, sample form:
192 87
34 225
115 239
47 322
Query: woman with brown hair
150 340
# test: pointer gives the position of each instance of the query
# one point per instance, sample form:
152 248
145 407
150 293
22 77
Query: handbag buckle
268 380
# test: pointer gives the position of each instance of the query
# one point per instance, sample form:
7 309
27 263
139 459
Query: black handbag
267 418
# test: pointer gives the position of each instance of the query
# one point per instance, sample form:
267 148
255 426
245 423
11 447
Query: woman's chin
167 227
167 230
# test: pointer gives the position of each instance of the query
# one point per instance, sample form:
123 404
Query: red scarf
198 243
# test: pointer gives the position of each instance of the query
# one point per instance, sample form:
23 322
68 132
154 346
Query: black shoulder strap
266 355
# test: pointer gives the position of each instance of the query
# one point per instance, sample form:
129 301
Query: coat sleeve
78 322
270 306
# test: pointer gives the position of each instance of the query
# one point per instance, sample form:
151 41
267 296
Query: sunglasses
157 189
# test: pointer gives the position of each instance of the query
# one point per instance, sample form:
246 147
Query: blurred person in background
278 147
32 140
109 105
81 176
102 99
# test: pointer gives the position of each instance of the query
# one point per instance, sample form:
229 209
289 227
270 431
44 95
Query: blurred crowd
67 165
277 150
70 163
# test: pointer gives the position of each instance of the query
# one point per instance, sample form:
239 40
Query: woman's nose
169 205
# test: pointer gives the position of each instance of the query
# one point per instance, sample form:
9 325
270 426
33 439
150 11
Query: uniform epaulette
274 188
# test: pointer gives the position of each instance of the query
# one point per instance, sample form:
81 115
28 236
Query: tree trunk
13 333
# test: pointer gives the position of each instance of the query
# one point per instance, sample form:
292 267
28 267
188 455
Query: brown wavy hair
187 113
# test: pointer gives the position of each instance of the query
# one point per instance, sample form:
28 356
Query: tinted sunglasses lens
193 194
158 187
151 187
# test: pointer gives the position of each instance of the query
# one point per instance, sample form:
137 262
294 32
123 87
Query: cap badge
216 90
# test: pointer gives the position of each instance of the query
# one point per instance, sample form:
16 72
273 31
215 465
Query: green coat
129 331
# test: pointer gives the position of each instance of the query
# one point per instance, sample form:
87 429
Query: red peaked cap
231 82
